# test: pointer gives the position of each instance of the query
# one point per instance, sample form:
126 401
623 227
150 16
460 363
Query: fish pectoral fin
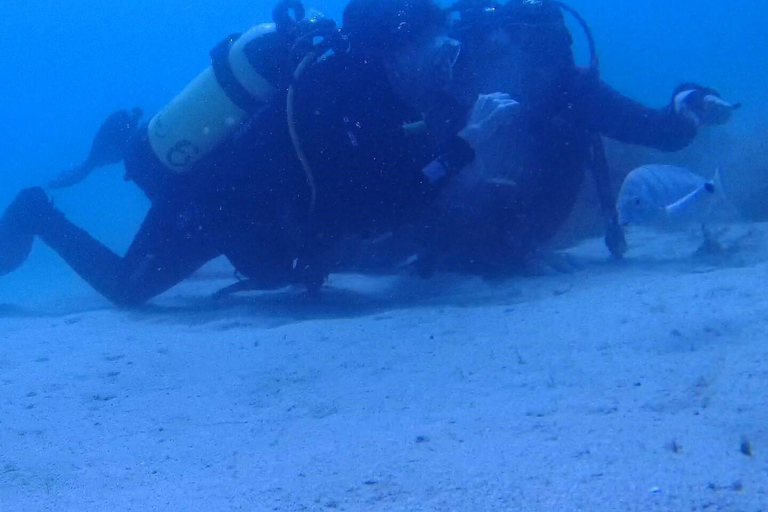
717 182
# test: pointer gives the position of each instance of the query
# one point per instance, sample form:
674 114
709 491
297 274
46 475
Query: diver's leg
162 254
30 214
169 247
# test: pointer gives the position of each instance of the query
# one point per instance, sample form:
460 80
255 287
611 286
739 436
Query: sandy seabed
633 386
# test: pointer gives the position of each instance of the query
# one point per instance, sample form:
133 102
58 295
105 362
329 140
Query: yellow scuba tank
246 73
213 105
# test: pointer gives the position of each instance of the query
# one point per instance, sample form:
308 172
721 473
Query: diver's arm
616 116
489 113
454 154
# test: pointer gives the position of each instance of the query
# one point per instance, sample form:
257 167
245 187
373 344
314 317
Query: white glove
491 111
709 110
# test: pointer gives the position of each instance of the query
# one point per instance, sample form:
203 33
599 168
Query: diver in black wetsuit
367 139
531 176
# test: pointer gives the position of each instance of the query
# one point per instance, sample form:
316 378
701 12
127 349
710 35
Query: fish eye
637 201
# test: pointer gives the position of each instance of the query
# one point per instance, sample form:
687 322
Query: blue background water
66 65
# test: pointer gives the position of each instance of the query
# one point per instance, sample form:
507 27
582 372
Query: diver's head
523 46
408 40
538 26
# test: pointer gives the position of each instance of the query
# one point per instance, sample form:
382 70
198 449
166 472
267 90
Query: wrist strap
453 155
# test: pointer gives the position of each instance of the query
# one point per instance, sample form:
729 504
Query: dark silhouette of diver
531 175
296 137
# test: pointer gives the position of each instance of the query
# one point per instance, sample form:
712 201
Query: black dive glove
491 111
703 105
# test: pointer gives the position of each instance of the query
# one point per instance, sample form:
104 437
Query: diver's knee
21 221
128 293
29 210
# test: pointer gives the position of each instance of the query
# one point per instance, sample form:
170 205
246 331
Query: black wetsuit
558 144
250 199
492 228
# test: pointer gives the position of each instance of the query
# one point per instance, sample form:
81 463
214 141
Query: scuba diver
494 220
296 136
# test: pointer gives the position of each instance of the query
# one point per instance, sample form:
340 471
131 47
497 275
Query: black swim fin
18 226
108 147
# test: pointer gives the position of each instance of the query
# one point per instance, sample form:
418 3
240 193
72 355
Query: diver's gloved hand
614 236
491 111
108 147
704 106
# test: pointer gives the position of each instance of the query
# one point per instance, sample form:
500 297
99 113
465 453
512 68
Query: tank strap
226 78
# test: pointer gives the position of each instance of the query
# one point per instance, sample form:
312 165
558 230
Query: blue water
67 64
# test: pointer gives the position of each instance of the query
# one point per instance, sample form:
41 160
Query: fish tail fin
723 197
717 182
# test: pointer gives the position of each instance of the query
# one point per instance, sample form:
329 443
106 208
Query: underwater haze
69 65
632 386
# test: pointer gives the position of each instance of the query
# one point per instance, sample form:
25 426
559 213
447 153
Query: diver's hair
378 27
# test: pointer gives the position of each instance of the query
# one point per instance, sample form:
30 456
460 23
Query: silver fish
666 195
